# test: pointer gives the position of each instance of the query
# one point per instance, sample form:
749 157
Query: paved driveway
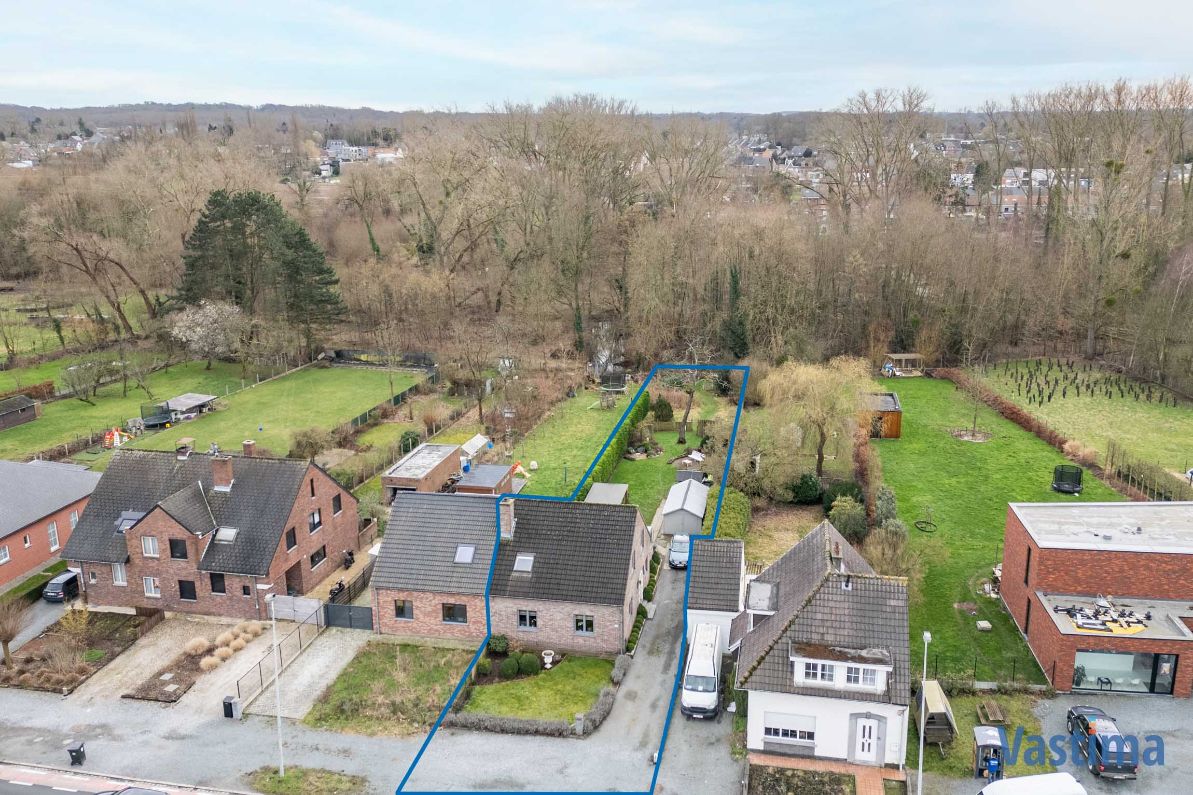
311 673
41 615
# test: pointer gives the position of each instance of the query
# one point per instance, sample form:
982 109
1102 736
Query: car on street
62 588
1106 750
677 555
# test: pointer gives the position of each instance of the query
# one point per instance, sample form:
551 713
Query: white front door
866 750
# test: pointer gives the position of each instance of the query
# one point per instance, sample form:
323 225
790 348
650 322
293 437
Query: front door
866 750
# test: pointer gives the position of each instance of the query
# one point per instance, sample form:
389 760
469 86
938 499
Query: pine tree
734 335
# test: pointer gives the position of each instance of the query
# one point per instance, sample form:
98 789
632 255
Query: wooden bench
990 713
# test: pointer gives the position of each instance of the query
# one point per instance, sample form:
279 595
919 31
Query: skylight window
524 563
225 535
464 553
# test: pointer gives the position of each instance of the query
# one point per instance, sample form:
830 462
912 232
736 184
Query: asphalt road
41 615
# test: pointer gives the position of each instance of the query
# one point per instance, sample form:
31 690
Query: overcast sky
661 55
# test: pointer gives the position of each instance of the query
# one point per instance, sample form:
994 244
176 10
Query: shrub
663 411
632 643
600 710
197 647
849 517
209 663
224 638
655 558
93 656
895 527
843 489
509 668
529 664
223 653
484 666
884 505
642 613
238 644
499 644
621 667
254 629
503 725
26 680
648 592
241 628
309 443
806 490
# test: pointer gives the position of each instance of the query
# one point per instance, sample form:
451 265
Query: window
178 548
314 521
789 734
312 487
52 529
217 584
869 677
822 672
337 504
92 577
4 554
584 625
225 535
291 539
853 675
318 556
524 563
151 587
149 546
74 519
186 590
25 540
1027 566
528 619
464 553
246 591
119 577
1027 618
455 614
404 609
865 677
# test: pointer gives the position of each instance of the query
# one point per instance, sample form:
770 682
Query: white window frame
870 674
853 675
74 519
819 672
92 577
528 620
119 575
52 532
147 543
152 587
314 522
28 542
4 556
585 618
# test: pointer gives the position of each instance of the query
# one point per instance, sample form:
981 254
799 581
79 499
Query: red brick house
1103 593
427 468
40 504
210 534
568 576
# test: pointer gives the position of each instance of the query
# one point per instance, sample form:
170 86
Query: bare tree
15 616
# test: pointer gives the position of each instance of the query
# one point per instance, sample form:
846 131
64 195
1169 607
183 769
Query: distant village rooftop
1121 526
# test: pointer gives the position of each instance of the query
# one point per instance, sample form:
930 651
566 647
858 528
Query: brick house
40 504
568 576
210 534
1103 593
429 579
427 468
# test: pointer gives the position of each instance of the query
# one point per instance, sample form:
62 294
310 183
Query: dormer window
861 676
524 563
464 553
822 672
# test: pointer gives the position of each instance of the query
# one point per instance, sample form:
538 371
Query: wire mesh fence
261 675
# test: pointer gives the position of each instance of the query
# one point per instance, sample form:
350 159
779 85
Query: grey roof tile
190 509
419 548
31 491
715 582
15 403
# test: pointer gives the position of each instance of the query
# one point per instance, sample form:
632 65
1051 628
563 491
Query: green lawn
1157 433
966 486
63 420
389 689
19 377
958 759
651 478
557 694
315 397
566 442
306 781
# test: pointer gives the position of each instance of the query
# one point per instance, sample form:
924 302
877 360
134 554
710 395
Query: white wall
832 722
681 523
718 617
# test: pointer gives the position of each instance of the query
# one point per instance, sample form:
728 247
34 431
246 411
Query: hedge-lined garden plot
965 487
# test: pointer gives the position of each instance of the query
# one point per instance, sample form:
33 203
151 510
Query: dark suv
62 588
1106 749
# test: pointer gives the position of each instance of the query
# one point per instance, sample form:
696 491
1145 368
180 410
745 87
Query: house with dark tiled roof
822 651
209 534
716 584
567 576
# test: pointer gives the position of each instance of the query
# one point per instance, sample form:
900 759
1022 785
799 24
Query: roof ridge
786 626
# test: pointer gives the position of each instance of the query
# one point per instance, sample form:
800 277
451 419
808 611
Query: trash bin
232 707
77 754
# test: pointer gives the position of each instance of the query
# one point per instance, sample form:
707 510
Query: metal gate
348 616
294 608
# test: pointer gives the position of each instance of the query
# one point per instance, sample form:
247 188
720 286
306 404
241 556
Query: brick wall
242 598
22 559
428 615
557 626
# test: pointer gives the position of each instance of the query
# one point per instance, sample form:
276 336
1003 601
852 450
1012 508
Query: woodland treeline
582 225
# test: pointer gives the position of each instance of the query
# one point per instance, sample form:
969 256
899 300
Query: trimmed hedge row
30 590
603 471
735 515
547 728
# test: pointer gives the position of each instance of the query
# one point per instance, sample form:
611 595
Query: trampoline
1066 479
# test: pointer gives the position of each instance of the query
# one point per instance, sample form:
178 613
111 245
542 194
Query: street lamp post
919 780
277 678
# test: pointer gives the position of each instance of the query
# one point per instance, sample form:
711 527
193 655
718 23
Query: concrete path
41 615
305 679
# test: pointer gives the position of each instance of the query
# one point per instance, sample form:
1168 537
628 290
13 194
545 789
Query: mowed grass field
966 486
64 420
34 337
1162 434
269 413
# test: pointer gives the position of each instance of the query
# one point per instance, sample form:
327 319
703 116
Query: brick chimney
508 522
250 448
221 472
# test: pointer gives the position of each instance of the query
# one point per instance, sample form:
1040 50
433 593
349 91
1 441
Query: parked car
701 694
677 557
1103 744
1045 784
62 588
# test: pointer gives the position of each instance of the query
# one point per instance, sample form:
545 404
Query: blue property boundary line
741 399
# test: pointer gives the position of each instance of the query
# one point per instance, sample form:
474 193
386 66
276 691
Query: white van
701 694
1046 784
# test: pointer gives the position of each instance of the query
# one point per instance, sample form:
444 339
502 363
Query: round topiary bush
806 490
223 653
224 638
499 644
529 664
253 629
238 644
508 668
484 666
197 647
209 663
663 412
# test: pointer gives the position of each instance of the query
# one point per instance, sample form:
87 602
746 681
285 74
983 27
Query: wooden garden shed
18 410
886 415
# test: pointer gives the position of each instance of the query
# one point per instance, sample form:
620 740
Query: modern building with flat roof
426 468
1103 593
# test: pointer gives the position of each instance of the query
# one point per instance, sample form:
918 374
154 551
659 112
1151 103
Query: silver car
677 556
